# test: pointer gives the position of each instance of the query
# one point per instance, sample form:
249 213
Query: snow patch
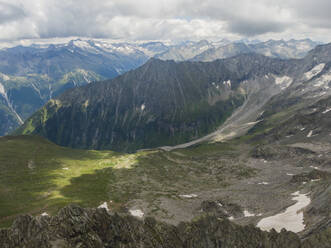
50 91
231 218
291 219
104 205
319 84
320 94
142 107
189 196
315 180
248 214
215 85
263 183
4 77
118 70
323 80
85 75
137 213
2 89
36 89
313 72
283 82
84 45
327 110
289 174
228 83
252 123
310 134
44 214
4 94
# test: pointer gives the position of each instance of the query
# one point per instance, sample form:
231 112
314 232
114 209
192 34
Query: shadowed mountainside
160 103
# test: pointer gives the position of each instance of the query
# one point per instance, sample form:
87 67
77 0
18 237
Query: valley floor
240 181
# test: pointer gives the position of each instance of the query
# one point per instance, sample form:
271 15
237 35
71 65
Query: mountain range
165 103
32 75
220 154
160 103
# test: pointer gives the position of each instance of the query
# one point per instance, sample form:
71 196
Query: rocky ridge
77 227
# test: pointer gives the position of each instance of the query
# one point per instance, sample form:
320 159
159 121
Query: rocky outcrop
77 227
312 175
274 152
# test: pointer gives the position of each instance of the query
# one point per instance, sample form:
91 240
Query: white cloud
165 19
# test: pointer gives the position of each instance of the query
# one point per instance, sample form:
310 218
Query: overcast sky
166 19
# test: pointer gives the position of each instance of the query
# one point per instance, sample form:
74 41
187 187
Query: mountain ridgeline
32 75
165 102
160 103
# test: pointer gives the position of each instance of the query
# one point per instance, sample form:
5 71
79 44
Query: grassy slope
33 174
37 175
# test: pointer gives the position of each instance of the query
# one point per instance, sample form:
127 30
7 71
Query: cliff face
77 227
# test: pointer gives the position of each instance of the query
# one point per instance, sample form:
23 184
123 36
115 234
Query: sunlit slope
38 176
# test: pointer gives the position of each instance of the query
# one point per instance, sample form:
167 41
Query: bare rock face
77 227
278 152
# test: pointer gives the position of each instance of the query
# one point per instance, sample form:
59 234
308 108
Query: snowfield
313 72
104 205
291 219
283 82
137 213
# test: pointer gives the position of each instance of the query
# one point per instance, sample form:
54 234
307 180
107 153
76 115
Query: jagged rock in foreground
77 227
